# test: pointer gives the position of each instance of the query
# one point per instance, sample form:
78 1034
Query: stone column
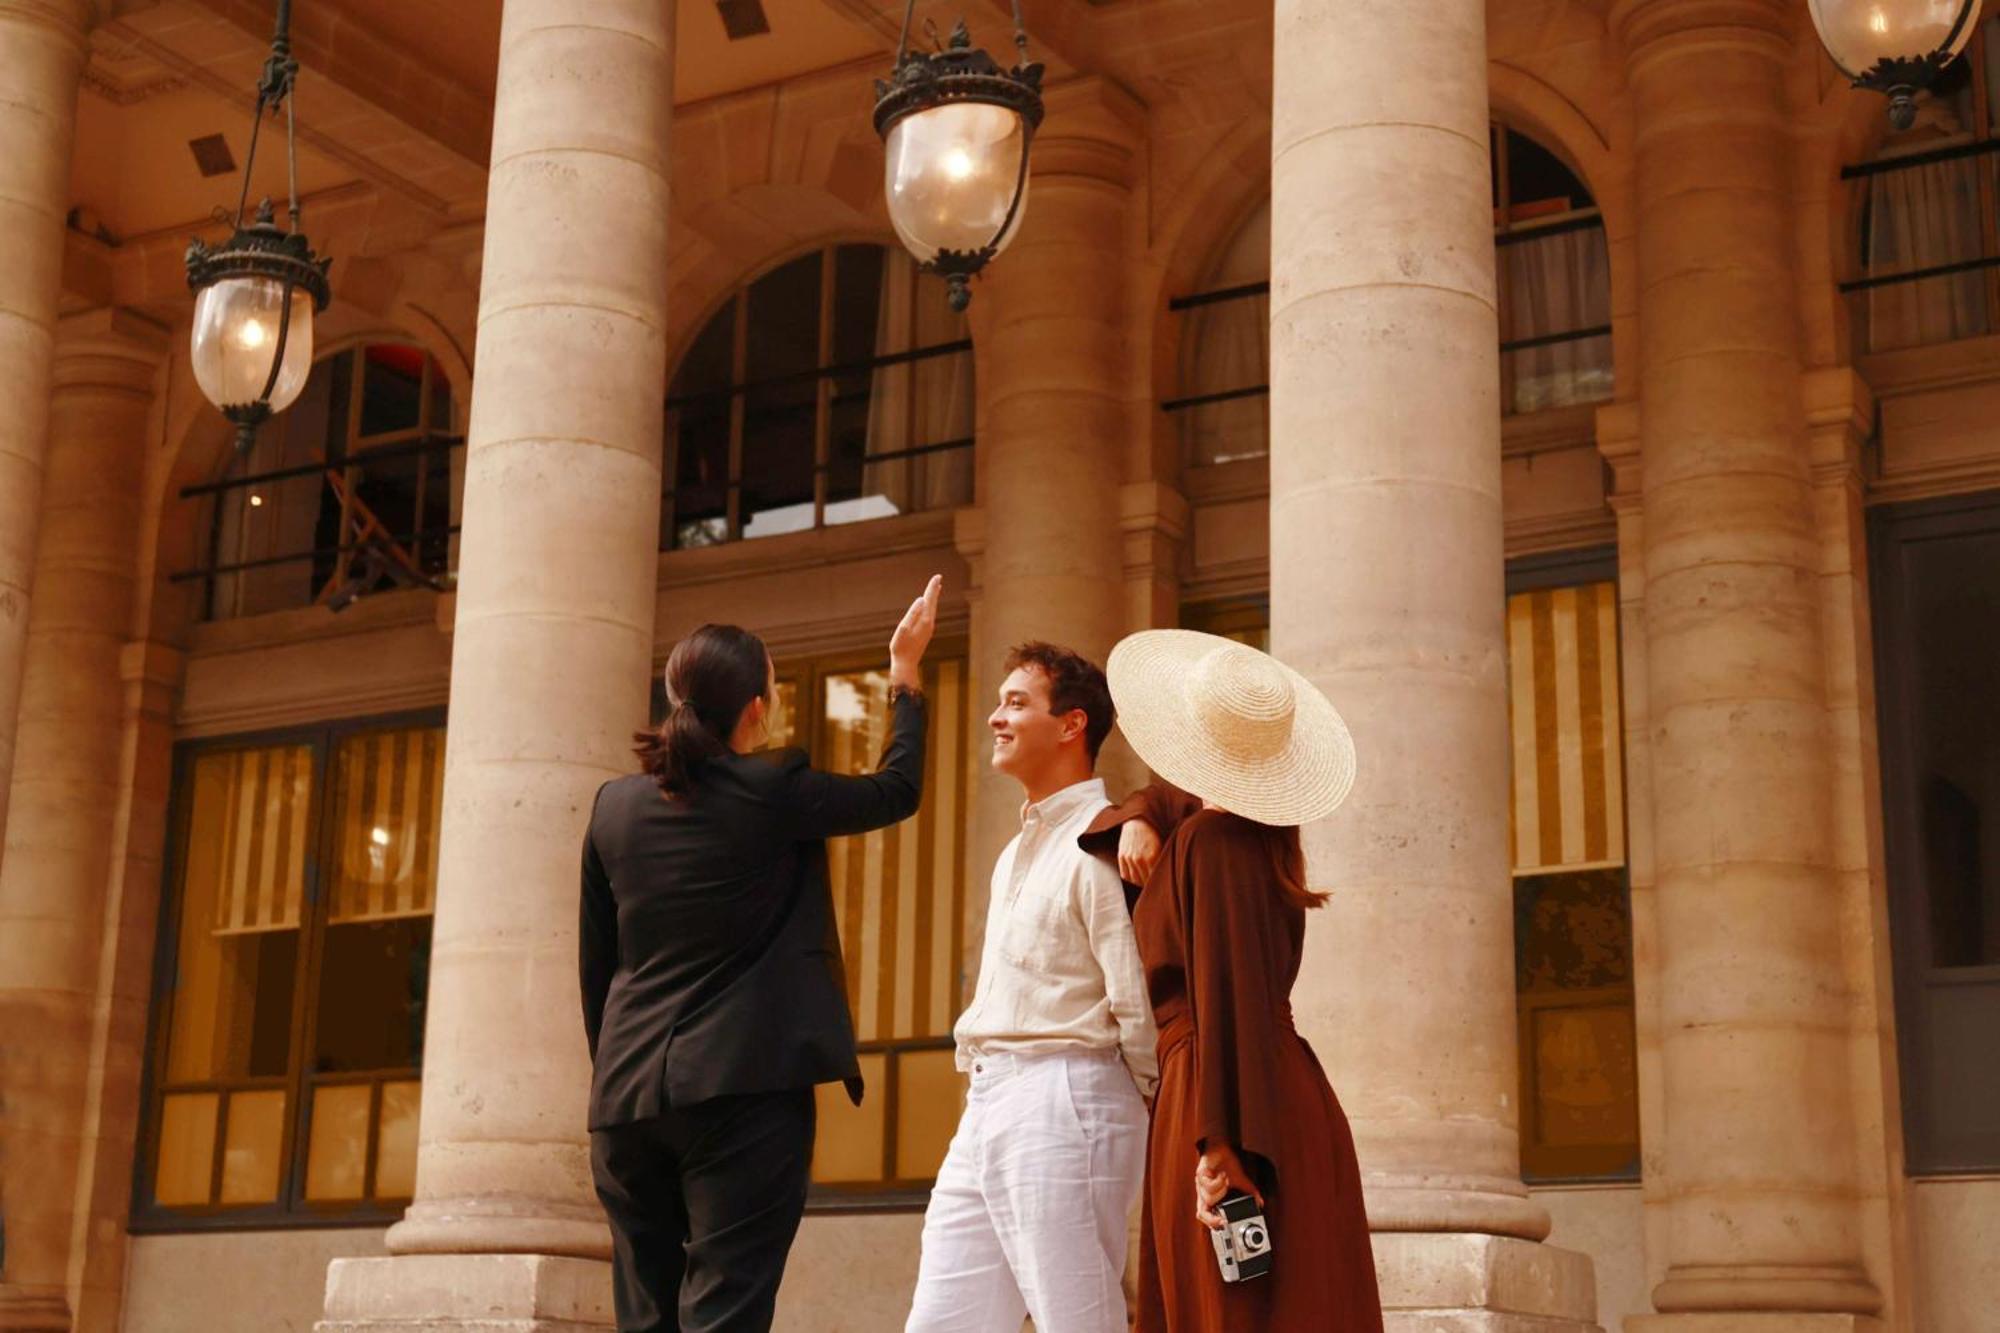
1387 589
551 654
1047 543
1759 1155
41 68
65 795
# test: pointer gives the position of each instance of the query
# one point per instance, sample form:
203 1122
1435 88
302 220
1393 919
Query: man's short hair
1075 682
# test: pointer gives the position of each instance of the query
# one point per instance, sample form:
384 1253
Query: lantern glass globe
1859 34
951 174
236 336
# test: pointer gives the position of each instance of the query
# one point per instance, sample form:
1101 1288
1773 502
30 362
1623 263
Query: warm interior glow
236 335
256 501
951 176
1878 21
252 334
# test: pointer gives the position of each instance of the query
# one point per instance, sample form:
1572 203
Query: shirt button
978 1069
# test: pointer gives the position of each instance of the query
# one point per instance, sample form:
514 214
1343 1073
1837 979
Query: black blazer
709 959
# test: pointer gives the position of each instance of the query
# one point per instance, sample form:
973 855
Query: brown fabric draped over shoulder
1162 805
1222 948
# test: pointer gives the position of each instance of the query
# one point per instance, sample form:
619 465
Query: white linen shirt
1060 969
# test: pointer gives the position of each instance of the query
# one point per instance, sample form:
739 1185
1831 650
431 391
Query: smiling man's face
1027 737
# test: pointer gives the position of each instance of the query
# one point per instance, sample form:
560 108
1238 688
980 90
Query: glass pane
780 416
912 406
784 717
1921 217
391 389
1557 285
242 892
1566 729
848 1148
1586 1076
698 433
337 1157
1572 931
375 961
898 893
1953 585
286 517
1225 348
930 1093
1538 184
252 1146
187 1148
396 1141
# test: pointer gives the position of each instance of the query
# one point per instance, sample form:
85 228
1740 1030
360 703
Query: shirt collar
1059 806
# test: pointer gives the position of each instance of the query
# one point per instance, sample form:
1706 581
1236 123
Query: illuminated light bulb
252 335
1878 21
256 501
958 164
379 836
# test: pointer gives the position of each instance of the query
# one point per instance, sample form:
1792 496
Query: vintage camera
1243 1245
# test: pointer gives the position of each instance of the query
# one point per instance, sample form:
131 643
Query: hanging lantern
1895 47
257 292
957 128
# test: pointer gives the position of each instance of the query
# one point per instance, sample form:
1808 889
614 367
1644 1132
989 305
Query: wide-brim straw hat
1234 726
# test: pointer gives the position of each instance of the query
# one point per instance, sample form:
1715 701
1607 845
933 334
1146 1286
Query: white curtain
1557 284
1226 346
1922 217
915 403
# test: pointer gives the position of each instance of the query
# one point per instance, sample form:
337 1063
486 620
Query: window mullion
739 357
823 388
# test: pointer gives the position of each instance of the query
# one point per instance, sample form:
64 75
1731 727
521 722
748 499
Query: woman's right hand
1138 849
913 636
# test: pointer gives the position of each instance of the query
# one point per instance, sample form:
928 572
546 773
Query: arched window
1930 262
1554 279
354 490
833 389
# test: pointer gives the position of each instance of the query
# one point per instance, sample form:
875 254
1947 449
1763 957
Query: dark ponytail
712 676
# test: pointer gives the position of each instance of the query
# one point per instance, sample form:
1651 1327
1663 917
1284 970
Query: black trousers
704 1202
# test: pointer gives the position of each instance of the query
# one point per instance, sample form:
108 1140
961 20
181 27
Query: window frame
1891 528
1505 233
290 1210
1984 140
824 376
808 676
425 442
1539 573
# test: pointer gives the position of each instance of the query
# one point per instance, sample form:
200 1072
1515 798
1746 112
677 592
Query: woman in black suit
713 994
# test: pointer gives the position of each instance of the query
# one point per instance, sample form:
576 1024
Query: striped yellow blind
388 793
259 853
899 893
1569 771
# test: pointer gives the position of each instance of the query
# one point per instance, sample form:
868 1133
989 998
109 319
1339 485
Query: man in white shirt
1030 1209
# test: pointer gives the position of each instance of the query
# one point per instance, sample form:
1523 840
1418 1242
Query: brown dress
1221 948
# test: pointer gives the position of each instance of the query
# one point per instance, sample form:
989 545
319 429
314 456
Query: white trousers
1029 1213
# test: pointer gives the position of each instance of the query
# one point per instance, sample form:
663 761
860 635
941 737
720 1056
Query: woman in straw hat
1243 1106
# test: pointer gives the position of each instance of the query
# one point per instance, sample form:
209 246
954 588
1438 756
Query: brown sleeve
1162 805
1235 937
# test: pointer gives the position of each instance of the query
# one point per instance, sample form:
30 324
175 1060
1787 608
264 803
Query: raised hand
913 636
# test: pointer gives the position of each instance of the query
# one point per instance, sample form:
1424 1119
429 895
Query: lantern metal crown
1894 47
957 128
257 292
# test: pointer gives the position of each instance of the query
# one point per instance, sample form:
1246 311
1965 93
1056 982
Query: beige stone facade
568 212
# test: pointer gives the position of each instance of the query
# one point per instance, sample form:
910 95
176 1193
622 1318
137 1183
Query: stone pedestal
1387 591
551 654
1757 1161
66 796
1740 1322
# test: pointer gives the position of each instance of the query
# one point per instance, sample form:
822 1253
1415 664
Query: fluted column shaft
552 641
41 67
1387 590
57 867
1759 1155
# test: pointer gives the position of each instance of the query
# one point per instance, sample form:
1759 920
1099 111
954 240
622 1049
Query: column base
1458 1282
468 1293
32 1312
1753 1321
